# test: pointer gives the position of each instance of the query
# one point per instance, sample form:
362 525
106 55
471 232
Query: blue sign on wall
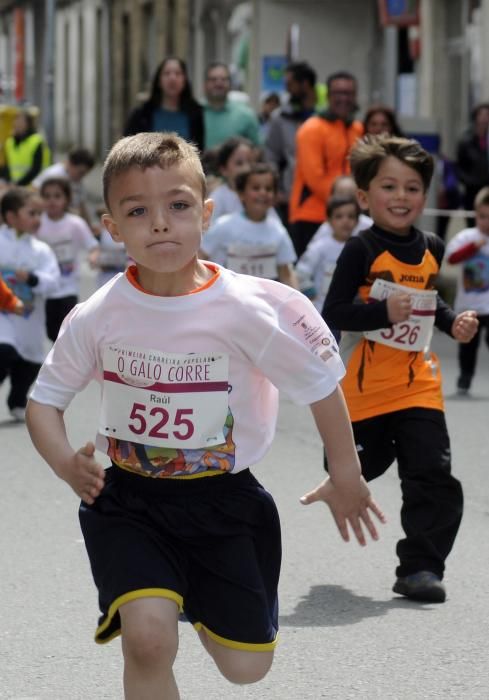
273 73
397 7
399 13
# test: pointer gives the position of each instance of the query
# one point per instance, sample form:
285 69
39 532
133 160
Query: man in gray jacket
300 81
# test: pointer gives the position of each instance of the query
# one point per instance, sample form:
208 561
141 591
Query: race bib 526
413 334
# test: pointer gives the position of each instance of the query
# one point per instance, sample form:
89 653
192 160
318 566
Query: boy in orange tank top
393 383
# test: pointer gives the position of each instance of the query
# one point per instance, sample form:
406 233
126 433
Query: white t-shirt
78 194
190 383
473 279
325 229
226 201
250 247
26 333
316 266
67 237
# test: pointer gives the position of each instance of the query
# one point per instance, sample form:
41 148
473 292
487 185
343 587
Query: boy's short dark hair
367 157
148 150
81 156
482 198
335 202
14 199
242 178
62 182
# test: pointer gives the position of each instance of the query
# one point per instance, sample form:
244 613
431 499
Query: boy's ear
362 199
207 213
111 227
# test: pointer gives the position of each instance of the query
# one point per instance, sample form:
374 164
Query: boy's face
395 197
343 220
159 215
482 218
27 219
258 196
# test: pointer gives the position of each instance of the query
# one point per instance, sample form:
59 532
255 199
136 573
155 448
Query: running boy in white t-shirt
254 241
471 248
318 262
189 356
67 234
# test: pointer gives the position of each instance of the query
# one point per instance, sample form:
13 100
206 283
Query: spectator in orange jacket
323 144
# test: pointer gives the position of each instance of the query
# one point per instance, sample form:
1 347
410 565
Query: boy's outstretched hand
465 326
84 474
350 506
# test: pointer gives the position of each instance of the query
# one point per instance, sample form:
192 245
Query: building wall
210 39
333 36
142 34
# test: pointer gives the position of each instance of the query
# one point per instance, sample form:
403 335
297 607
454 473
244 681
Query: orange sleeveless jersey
380 379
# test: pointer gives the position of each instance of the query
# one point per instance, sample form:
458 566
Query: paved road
343 633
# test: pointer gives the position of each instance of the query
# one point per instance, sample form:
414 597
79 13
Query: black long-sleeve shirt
340 310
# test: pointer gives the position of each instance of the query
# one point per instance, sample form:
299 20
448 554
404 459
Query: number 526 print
151 422
407 334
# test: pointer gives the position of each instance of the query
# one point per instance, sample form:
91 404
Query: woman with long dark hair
381 119
171 105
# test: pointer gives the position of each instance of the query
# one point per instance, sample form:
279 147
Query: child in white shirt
318 262
470 250
344 186
234 156
29 268
67 234
188 356
253 241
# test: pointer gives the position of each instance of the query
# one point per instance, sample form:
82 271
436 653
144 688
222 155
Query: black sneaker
424 586
463 384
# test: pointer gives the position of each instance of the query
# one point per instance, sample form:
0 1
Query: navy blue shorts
211 544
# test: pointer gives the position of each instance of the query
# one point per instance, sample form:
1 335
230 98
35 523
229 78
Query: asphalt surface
344 634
